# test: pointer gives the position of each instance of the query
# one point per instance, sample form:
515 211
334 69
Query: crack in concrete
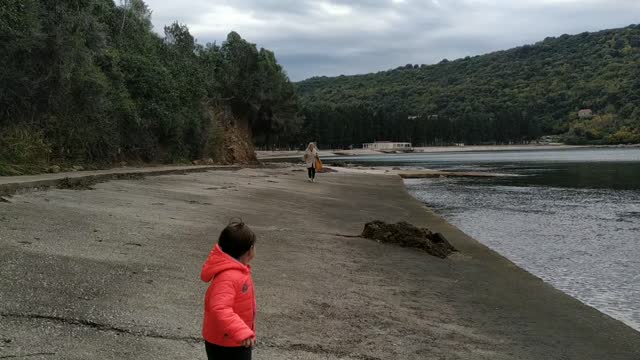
27 355
103 327
309 348
316 349
346 236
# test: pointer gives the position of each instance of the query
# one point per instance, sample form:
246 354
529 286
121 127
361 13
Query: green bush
22 145
625 136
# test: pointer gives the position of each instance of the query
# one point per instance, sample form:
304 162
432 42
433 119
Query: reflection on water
583 168
609 175
572 221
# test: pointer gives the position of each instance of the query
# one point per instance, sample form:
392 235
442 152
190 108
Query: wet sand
113 273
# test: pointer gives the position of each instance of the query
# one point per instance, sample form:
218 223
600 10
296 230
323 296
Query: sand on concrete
294 154
113 273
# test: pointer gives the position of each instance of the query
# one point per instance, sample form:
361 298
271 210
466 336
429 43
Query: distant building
387 145
550 140
585 114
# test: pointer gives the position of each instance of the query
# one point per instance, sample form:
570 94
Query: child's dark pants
215 352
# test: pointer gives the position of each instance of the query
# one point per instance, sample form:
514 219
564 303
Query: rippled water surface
571 217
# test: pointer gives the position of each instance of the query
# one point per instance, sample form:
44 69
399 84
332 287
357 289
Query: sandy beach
113 273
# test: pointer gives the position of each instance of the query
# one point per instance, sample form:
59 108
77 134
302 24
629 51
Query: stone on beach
407 235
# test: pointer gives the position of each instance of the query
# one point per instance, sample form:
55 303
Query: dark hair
236 239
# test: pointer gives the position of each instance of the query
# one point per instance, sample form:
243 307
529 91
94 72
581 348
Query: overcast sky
323 37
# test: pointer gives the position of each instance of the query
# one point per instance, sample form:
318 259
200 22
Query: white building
585 114
387 145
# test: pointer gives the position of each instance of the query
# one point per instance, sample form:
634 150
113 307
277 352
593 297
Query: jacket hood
219 261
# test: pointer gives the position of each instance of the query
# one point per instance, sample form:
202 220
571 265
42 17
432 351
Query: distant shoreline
284 154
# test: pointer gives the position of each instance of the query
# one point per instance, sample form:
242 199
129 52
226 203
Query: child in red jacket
230 304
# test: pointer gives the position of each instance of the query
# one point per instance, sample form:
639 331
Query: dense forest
512 96
90 82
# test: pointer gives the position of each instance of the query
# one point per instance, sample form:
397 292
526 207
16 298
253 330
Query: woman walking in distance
310 158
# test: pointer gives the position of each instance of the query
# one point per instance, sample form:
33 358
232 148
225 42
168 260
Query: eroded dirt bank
112 273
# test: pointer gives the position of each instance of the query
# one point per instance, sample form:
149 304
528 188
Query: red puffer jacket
230 303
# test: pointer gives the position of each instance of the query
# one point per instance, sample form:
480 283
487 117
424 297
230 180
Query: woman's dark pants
312 172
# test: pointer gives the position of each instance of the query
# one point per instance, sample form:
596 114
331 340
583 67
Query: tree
89 81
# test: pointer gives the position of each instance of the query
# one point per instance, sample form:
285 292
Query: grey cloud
348 37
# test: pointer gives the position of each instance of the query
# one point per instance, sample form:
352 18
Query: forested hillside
89 82
511 96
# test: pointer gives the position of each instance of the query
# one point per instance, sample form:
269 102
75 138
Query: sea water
570 217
